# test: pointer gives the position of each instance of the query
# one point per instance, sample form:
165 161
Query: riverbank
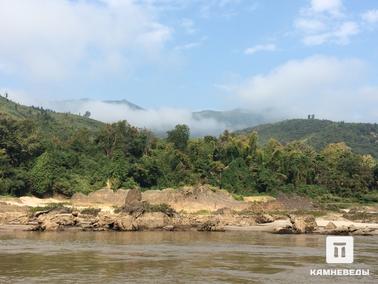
199 208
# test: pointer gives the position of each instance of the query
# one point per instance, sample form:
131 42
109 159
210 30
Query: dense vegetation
44 153
361 137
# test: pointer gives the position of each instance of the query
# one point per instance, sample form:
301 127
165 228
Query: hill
47 120
361 137
44 153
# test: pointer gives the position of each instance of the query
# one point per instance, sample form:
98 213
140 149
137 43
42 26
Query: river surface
174 257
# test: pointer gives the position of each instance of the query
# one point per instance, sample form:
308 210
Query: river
174 257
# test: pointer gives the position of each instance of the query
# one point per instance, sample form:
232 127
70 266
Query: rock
364 232
102 196
285 230
125 223
104 221
133 203
54 222
263 218
153 221
210 226
330 226
38 213
224 211
342 231
49 225
134 196
352 228
303 225
169 228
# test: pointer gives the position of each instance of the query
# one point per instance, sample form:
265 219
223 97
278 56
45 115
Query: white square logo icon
339 249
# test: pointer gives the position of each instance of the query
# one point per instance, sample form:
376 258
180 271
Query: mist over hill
207 122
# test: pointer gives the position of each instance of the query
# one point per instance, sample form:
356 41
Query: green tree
179 136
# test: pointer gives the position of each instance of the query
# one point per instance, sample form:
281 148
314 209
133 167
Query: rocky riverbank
199 208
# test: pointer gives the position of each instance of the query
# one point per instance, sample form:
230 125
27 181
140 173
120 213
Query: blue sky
294 57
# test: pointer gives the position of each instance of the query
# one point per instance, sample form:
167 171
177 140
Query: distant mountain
124 102
81 105
207 122
361 137
232 119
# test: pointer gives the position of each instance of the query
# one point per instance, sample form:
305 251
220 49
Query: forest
39 156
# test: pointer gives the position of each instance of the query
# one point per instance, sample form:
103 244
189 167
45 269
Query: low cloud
158 120
318 85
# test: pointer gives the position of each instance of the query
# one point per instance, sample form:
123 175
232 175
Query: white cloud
188 26
187 46
333 7
317 85
324 22
370 16
309 25
260 47
220 8
50 39
341 35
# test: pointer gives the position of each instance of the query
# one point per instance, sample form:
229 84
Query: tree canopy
84 160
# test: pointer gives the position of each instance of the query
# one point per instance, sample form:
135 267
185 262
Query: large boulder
303 224
263 218
126 223
299 225
285 230
210 226
134 196
330 226
153 221
54 222
133 202
104 221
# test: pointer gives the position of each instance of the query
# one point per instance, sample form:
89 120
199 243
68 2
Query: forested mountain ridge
361 137
43 153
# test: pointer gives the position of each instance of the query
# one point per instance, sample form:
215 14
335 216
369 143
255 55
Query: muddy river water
174 257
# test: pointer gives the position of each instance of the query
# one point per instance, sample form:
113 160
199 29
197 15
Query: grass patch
238 197
90 211
48 207
146 207
202 212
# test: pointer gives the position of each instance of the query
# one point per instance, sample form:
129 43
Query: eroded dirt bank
200 208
